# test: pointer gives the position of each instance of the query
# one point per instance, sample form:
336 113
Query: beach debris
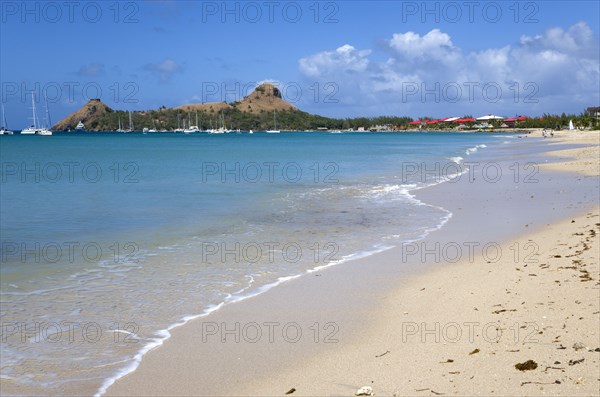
585 275
578 346
556 382
596 349
526 366
383 354
474 352
364 391
504 310
290 391
431 390
447 361
574 362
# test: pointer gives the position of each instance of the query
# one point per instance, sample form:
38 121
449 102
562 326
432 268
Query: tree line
170 119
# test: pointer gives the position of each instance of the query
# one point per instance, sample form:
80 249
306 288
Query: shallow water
108 241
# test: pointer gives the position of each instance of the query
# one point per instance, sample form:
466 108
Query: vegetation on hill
167 119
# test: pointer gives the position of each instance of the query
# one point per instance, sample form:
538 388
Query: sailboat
221 129
210 130
192 128
120 126
34 129
178 129
46 130
153 129
130 122
274 130
4 129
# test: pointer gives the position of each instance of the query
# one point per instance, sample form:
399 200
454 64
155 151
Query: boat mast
4 118
48 121
33 109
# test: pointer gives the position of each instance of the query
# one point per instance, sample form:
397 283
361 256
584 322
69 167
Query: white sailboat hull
36 131
44 132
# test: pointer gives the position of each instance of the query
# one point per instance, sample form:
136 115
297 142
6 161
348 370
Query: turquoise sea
109 240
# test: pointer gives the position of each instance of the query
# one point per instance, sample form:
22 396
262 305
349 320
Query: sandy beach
514 311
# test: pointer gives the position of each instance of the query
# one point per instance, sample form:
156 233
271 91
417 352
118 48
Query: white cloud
557 66
490 65
579 39
434 45
165 70
345 58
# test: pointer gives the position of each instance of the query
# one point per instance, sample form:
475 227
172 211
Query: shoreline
131 384
77 387
427 342
511 130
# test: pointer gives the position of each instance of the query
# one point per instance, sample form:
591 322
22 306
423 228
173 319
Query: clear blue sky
335 58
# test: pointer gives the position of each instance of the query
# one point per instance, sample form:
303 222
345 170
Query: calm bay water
108 241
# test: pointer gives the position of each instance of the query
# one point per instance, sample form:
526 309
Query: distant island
258 110
254 112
